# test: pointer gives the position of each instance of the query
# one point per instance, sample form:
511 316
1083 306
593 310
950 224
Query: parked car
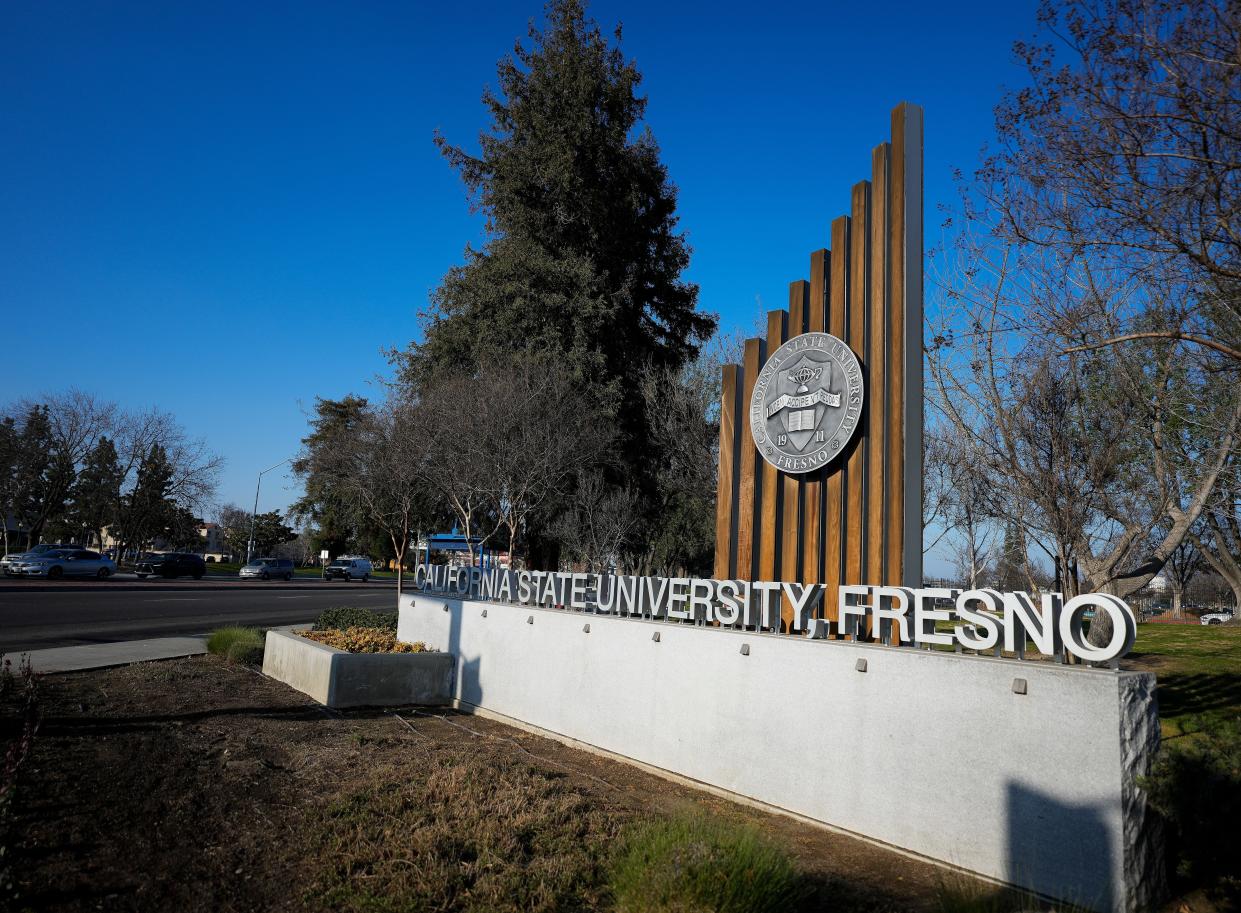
7 562
267 568
1216 618
171 564
65 562
349 568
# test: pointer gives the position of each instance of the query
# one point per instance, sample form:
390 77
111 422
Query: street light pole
254 513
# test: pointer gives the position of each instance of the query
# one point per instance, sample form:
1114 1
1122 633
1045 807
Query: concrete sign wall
1022 772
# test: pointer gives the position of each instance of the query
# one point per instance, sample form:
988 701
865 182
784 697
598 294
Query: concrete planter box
341 679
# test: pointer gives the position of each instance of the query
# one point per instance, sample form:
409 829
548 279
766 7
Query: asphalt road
35 614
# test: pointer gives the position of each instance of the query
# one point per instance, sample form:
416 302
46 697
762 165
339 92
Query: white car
1216 618
65 562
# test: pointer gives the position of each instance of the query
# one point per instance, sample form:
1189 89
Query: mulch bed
199 785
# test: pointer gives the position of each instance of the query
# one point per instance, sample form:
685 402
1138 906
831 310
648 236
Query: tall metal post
254 513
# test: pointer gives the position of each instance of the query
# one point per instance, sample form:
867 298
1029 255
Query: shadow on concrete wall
1053 843
467 686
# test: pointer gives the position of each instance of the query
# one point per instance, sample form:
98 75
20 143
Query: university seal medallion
806 403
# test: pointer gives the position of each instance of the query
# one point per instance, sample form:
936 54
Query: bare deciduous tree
598 526
506 442
1218 537
1183 565
380 466
1131 151
1091 454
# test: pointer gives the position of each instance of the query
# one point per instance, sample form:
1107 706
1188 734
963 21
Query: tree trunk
1225 565
1177 596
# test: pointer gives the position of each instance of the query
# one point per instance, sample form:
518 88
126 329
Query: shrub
691 863
1196 785
19 698
238 645
341 618
365 640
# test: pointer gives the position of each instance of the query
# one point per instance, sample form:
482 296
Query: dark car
172 564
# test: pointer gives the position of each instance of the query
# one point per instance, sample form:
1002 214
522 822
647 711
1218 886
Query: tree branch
1158 334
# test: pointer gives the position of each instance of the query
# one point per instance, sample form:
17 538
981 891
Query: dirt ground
199 785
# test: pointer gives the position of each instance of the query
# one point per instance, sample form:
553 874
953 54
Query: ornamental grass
365 640
237 644
692 863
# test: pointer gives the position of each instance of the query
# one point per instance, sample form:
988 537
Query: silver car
267 568
65 562
8 561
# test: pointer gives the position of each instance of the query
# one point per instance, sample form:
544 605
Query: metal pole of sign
254 513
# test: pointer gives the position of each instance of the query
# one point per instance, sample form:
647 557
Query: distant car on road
1216 618
64 562
171 564
7 562
267 568
349 568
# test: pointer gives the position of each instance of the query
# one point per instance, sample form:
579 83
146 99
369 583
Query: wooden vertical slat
855 336
911 402
876 367
894 434
812 487
861 521
834 502
792 483
726 488
748 492
769 526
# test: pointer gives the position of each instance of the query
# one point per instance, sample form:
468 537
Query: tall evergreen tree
42 474
325 503
1010 564
148 509
583 257
96 493
9 451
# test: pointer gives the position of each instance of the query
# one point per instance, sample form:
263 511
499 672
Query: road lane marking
307 596
178 599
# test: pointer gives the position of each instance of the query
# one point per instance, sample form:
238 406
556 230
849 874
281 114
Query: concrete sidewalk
121 653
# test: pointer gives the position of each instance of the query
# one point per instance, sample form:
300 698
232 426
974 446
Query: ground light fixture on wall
254 513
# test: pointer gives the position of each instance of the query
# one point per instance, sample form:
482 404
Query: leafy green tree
270 530
181 530
583 258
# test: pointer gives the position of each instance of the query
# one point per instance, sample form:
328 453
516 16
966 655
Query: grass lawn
1199 672
230 569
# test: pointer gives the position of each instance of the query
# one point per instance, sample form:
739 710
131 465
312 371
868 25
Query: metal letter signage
986 622
806 403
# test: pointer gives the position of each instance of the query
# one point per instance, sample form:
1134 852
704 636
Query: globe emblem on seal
806 403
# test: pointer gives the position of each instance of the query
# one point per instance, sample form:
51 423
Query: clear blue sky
227 209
